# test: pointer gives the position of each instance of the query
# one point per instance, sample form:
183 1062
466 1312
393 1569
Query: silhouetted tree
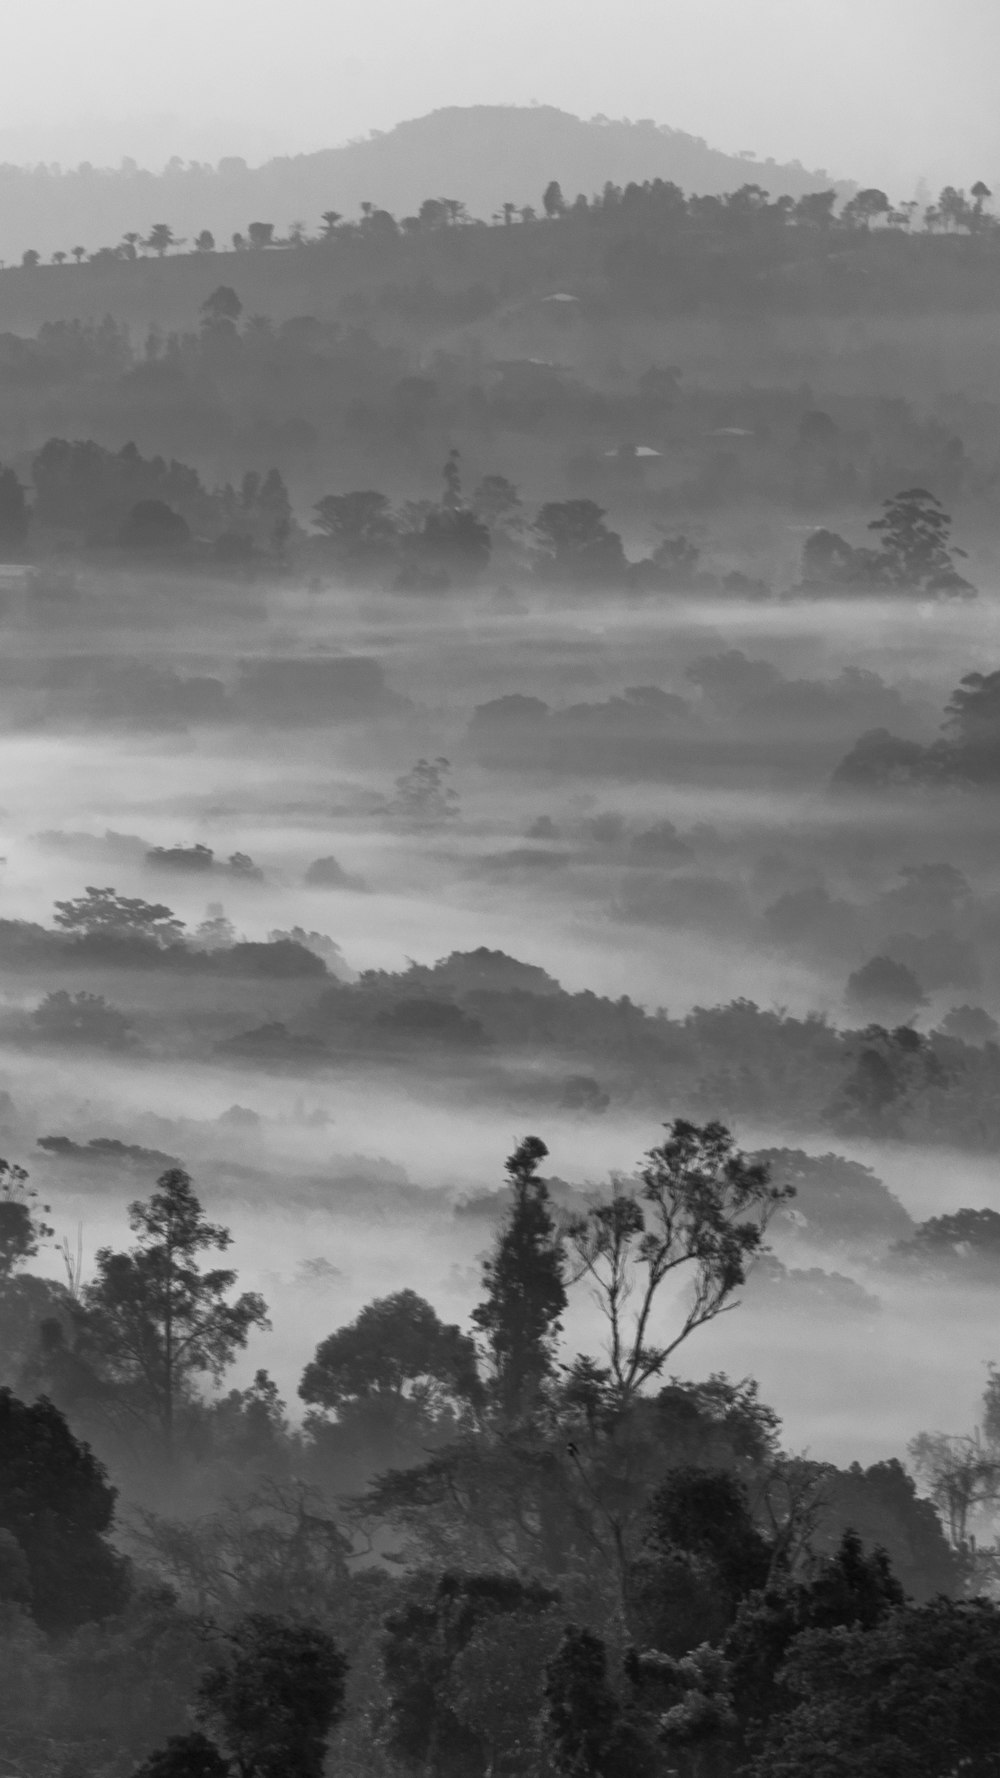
154 527
22 1228
157 1318
393 1374
702 1208
56 1501
525 1289
274 1703
13 511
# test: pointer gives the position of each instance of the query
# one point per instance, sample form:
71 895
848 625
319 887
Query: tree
496 500
424 798
274 503
185 1756
884 990
59 258
588 1733
79 254
815 209
80 1018
960 1473
577 545
153 526
56 1501
865 207
553 202
161 237
702 1555
261 234
14 515
981 195
204 242
275 1701
394 1373
22 1229
360 525
847 1590
702 1208
916 546
496 1686
434 1656
525 1289
30 258
103 913
330 219
222 308
918 1693
159 1320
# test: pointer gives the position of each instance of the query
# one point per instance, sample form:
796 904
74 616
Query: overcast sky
879 90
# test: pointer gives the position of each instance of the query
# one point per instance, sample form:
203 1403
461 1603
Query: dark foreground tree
588 1731
273 1704
22 1228
185 1756
917 1696
458 1691
57 1503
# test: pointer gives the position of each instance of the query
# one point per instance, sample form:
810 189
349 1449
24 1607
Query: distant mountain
483 155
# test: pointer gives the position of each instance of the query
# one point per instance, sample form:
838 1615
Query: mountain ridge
483 156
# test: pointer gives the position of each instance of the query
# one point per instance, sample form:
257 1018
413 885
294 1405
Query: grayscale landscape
500 944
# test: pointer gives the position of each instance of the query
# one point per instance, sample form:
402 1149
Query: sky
883 91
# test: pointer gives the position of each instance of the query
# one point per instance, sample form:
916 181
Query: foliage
275 1701
22 1228
157 1318
434 1653
104 914
55 1500
396 1377
701 1205
915 1695
525 1288
587 1728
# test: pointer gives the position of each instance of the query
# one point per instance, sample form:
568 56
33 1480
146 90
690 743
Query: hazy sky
881 90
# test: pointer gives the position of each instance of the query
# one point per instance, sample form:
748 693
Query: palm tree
160 238
330 219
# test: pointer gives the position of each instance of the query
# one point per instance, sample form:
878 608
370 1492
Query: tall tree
525 1288
160 1320
701 1210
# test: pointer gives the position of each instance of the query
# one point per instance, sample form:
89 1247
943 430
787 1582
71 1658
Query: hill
482 155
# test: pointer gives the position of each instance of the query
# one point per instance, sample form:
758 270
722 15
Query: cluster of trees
593 1571
915 553
654 201
966 755
94 497
569 543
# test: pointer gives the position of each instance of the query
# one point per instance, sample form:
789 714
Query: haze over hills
483 155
